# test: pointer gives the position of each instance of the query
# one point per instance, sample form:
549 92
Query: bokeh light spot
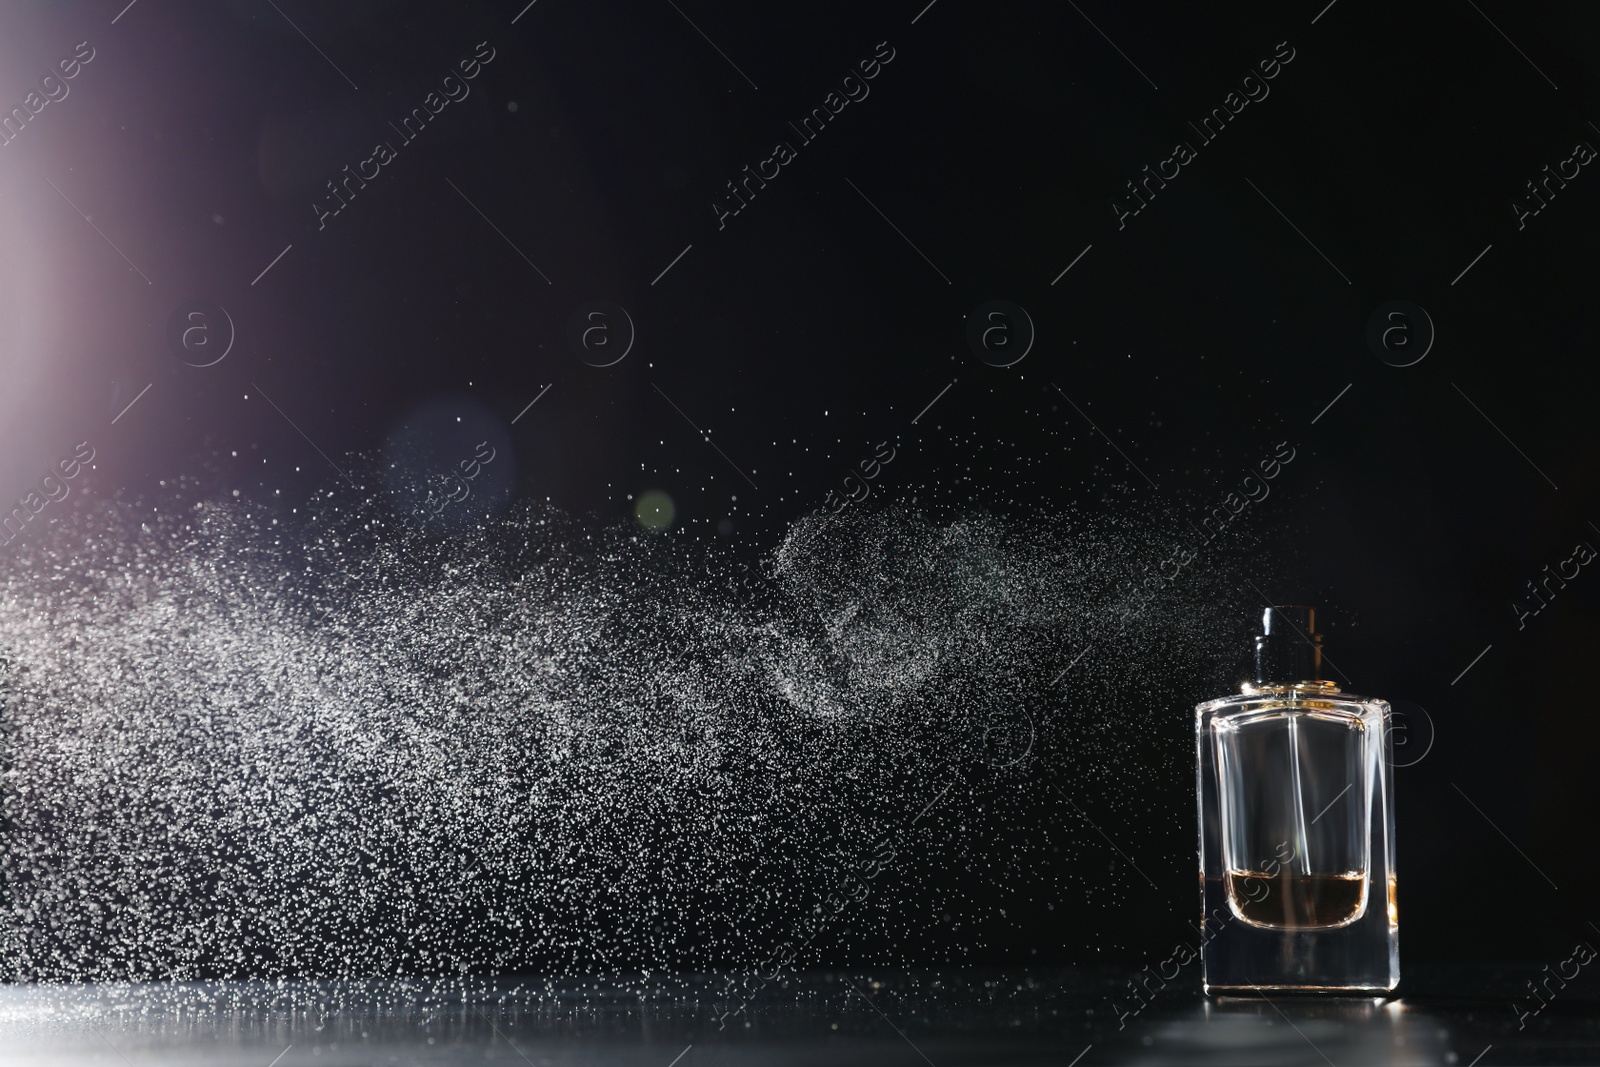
654 510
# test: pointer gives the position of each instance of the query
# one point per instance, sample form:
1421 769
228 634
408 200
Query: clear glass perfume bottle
1296 793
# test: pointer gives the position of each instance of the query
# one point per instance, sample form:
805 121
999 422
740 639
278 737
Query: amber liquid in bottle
1292 900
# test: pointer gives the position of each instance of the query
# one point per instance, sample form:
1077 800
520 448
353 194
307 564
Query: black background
808 329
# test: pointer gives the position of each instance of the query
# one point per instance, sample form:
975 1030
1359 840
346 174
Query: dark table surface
1459 1015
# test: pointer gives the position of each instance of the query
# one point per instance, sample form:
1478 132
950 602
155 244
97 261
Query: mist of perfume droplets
364 751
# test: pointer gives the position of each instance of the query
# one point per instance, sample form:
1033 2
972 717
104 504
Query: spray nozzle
1288 649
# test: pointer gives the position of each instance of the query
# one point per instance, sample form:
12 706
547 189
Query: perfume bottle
1296 792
